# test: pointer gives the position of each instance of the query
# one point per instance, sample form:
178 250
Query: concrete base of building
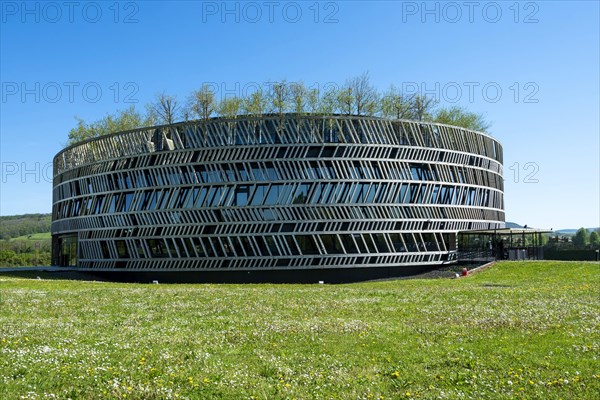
326 275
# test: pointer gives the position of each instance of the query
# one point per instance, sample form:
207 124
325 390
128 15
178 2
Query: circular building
274 198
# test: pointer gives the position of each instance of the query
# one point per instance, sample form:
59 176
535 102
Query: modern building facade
276 197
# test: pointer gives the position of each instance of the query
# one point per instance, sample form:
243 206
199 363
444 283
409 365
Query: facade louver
274 193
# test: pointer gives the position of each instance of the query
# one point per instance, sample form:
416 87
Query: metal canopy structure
501 244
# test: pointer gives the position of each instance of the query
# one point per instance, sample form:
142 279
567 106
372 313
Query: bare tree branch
165 107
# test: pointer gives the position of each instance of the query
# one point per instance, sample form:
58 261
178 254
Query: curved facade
274 194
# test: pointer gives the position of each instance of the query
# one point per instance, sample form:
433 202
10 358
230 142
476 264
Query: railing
276 129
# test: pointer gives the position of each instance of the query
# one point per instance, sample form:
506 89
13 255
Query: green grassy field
34 236
517 330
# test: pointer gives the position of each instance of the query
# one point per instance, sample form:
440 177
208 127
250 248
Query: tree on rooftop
329 103
122 120
345 100
459 116
312 100
255 104
299 96
356 97
165 107
203 102
230 108
280 102
279 97
365 98
394 104
422 107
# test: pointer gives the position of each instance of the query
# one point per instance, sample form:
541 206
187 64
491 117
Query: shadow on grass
52 275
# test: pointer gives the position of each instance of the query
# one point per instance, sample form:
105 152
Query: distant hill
567 232
13 226
514 225
572 231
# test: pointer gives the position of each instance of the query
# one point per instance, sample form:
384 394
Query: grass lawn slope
34 236
517 330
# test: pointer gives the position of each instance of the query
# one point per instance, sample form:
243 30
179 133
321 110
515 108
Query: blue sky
531 67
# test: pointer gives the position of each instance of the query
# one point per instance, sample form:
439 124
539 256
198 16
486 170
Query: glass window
241 170
430 242
369 242
284 194
292 245
301 194
410 242
371 194
313 152
247 246
197 243
362 192
460 175
396 240
332 244
349 244
421 196
415 173
360 243
325 194
122 249
164 197
127 201
272 246
434 194
381 193
209 196
189 247
442 199
271 171
229 172
273 195
214 176
264 251
172 247
259 194
239 250
316 193
68 250
257 172
241 196
210 252
200 197
112 204
104 249
380 242
307 245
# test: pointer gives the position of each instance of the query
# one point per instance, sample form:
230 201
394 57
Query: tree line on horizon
23 252
357 96
13 226
583 238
